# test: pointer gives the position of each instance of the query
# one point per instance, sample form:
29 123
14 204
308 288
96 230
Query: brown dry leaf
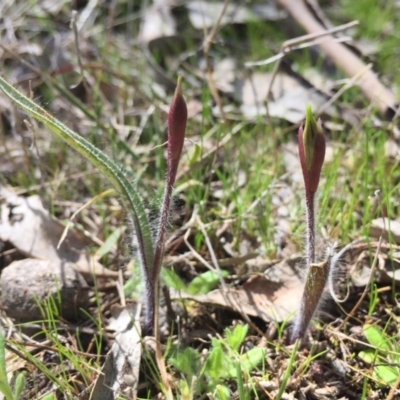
387 269
157 22
288 97
120 372
386 272
52 7
205 14
392 149
224 75
87 16
271 297
387 228
34 232
158 34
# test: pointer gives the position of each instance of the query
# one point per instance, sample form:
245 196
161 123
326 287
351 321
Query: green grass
250 207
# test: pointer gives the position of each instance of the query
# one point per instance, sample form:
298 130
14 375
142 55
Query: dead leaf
224 75
387 228
158 35
288 97
120 372
271 297
392 149
29 227
157 22
387 270
205 14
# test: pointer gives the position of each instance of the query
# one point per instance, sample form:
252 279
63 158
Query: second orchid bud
311 151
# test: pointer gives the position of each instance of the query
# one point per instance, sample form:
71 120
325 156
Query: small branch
344 58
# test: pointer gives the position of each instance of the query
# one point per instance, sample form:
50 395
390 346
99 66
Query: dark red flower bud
177 118
311 151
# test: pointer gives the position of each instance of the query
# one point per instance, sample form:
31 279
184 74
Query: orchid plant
311 146
150 250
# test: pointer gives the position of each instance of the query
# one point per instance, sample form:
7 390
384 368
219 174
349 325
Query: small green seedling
385 357
288 372
224 362
201 284
150 248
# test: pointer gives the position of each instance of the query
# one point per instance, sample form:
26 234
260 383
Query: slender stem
316 276
166 203
159 251
150 302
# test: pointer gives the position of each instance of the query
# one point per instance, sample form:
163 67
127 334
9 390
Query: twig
344 58
302 42
393 390
351 82
288 46
200 258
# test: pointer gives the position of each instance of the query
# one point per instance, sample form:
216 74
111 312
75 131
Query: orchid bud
311 151
177 118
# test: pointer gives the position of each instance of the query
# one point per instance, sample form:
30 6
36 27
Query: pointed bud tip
310 128
177 118
178 89
309 114
311 150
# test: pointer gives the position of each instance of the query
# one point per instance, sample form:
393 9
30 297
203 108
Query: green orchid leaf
376 337
205 282
386 373
172 279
